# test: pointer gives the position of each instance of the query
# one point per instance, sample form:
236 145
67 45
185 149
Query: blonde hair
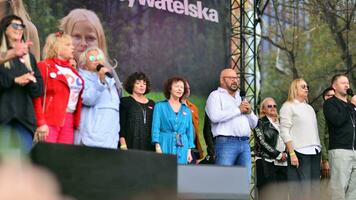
293 89
68 22
50 50
263 104
83 57
18 9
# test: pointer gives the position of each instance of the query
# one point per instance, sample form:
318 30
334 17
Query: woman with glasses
16 7
58 110
20 81
87 31
299 130
271 158
99 124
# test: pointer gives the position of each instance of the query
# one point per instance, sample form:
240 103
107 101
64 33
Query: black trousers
271 180
304 181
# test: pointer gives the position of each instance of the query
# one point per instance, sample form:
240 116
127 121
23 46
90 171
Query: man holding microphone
231 122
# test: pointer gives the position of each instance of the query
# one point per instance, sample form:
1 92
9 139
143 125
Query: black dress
136 123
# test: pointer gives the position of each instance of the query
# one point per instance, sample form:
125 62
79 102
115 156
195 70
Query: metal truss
245 20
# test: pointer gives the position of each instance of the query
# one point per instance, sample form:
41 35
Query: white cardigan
298 124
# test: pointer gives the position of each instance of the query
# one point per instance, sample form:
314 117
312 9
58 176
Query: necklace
144 111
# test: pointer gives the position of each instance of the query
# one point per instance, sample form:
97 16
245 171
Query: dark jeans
271 180
304 181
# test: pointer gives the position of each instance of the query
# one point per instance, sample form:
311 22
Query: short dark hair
168 86
326 91
137 76
337 76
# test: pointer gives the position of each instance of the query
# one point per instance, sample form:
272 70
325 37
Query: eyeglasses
305 87
17 26
231 77
271 106
92 58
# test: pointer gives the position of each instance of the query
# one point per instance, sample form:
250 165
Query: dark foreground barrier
103 174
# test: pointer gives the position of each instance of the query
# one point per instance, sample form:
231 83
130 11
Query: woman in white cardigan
299 130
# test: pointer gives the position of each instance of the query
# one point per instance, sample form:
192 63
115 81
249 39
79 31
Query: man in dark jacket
340 116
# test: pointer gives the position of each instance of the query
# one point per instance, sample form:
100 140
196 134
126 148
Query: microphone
350 92
99 66
242 95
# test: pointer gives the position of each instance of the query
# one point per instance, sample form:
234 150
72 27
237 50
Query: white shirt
281 147
75 85
298 124
225 115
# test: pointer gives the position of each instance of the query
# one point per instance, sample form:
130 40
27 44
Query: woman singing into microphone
101 103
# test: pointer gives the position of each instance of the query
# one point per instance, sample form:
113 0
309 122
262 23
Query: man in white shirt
231 122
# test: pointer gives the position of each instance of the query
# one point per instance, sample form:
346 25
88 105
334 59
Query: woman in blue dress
172 127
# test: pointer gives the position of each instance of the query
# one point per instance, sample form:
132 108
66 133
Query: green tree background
310 49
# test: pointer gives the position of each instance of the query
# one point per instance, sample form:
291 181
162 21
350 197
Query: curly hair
168 86
137 76
53 41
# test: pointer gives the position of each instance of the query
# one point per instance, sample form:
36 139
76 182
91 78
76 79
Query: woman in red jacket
58 110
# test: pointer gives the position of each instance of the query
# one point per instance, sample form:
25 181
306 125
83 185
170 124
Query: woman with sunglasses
20 81
99 124
299 130
271 158
58 110
16 7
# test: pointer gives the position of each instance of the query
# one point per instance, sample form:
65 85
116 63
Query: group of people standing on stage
299 147
74 96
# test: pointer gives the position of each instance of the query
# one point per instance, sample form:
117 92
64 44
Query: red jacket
57 94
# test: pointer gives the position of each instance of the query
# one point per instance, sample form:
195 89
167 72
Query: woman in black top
20 81
271 158
136 114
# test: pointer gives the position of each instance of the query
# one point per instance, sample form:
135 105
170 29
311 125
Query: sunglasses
17 26
271 106
305 87
92 58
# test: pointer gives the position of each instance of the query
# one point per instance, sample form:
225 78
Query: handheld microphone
350 92
242 95
99 66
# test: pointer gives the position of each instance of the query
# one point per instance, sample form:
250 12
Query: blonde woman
20 81
299 130
87 31
16 7
100 123
271 158
58 111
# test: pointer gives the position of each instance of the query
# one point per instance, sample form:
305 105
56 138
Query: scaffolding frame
245 19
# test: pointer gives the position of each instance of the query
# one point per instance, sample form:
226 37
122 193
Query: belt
244 138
